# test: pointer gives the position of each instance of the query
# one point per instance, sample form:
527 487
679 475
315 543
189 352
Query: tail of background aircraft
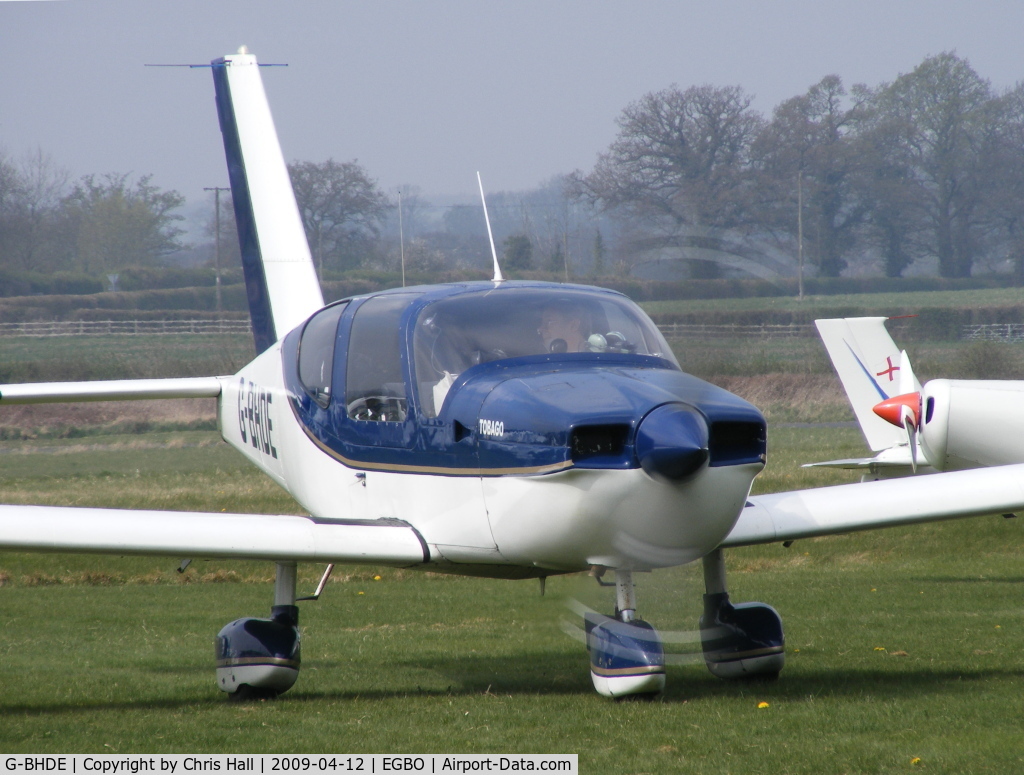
869 365
280 278
871 369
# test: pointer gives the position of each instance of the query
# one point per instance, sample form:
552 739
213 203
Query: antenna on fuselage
494 253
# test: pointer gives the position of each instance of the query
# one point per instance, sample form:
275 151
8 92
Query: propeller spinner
904 410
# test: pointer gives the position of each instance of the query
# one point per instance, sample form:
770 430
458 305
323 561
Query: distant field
26 359
870 303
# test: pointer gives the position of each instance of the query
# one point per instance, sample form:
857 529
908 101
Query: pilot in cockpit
449 355
564 328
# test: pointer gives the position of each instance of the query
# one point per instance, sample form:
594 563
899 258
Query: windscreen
456 333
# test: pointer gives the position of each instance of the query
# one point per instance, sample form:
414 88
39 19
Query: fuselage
444 407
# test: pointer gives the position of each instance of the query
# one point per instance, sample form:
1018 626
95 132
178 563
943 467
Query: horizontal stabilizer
857 463
894 458
847 508
195 534
110 390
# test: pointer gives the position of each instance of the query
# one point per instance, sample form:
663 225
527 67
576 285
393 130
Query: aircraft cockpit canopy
456 333
453 334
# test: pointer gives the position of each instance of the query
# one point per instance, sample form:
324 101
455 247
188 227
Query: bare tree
810 143
929 132
1004 174
30 200
680 171
681 158
342 210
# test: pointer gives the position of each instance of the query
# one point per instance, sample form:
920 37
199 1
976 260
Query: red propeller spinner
901 411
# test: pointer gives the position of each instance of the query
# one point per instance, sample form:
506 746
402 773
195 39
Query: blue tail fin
280 279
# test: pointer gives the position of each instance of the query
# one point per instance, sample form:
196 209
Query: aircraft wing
274 537
110 390
847 508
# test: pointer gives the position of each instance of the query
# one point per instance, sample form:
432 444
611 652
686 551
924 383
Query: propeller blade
910 425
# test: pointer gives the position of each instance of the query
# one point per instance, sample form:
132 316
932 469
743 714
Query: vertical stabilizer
869 365
280 279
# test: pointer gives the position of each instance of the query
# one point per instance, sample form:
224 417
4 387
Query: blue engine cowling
741 641
259 657
625 658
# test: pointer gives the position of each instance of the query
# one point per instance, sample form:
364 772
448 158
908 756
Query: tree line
923 173
928 167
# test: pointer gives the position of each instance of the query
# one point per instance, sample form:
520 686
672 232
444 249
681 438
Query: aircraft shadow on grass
968 579
481 675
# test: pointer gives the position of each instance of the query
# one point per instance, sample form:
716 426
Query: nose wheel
626 655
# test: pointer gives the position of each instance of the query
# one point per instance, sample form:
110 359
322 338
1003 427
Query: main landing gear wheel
740 641
259 658
626 655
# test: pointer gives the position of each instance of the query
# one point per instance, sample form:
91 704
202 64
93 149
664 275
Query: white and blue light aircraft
496 429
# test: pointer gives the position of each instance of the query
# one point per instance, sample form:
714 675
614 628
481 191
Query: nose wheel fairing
625 657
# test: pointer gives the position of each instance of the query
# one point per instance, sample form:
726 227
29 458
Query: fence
105 327
151 327
997 332
993 332
723 330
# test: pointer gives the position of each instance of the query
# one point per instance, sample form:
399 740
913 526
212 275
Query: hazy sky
428 92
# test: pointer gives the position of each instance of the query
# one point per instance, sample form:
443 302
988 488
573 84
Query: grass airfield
901 645
905 647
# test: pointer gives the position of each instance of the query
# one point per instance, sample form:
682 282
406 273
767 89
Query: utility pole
401 235
216 240
800 232
565 235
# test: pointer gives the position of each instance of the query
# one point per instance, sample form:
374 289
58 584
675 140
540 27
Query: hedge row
199 301
33 283
922 323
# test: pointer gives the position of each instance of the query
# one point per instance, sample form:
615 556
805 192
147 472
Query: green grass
114 655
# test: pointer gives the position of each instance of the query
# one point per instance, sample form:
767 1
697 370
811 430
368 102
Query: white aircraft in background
946 425
496 429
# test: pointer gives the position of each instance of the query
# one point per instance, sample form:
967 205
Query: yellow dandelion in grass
879 648
376 578
762 705
916 760
360 593
873 589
